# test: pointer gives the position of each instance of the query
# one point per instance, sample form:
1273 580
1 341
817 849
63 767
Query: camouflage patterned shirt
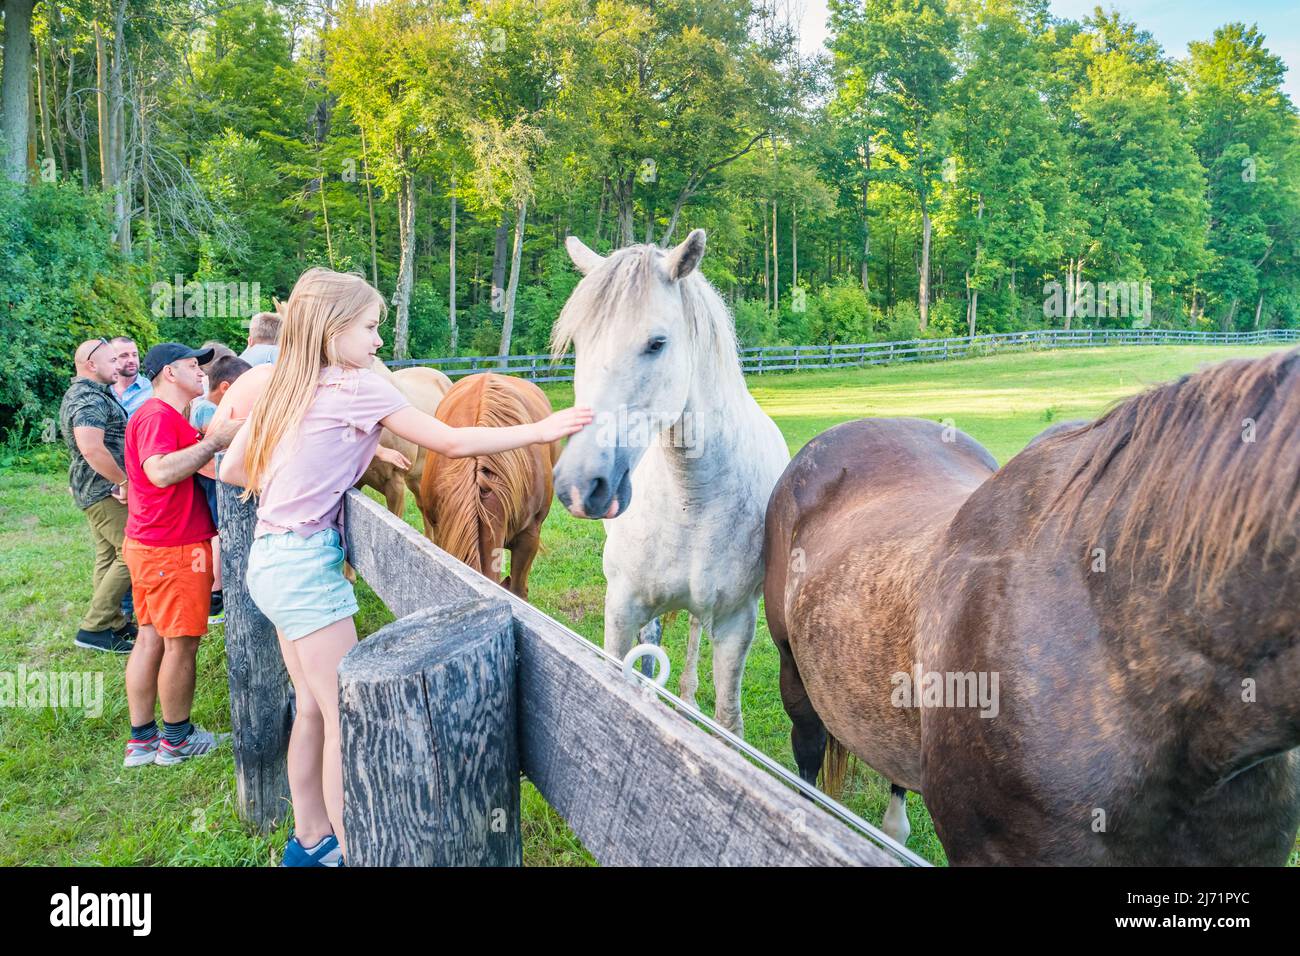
92 404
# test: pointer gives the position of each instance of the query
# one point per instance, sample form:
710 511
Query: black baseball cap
165 353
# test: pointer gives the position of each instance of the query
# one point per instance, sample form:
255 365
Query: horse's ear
683 260
585 259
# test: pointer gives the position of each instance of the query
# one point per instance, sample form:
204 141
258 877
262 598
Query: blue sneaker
324 853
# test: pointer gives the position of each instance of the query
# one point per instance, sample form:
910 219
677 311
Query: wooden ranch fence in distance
444 708
786 358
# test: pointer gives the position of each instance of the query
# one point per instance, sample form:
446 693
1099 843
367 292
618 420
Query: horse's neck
1233 663
708 442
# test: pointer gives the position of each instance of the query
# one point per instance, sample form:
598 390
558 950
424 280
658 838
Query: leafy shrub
61 281
839 314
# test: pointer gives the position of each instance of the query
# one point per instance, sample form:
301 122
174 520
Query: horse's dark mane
1185 482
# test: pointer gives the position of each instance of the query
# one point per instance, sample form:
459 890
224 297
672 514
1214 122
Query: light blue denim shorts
298 582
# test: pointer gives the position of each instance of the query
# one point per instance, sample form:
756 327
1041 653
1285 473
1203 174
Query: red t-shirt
162 517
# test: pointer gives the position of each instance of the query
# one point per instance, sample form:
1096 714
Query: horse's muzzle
605 494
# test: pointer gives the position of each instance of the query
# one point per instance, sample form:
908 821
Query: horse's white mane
620 287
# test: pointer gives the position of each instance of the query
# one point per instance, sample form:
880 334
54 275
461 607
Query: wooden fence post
428 710
260 692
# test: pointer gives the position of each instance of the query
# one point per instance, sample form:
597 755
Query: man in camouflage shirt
94 427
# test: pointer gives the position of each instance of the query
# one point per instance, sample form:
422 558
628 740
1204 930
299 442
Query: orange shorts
171 587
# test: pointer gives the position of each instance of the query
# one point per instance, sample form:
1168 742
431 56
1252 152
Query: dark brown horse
1090 656
477 507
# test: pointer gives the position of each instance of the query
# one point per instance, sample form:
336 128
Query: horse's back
851 528
516 482
423 386
886 472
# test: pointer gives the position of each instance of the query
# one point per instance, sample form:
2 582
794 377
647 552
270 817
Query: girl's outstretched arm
425 430
232 462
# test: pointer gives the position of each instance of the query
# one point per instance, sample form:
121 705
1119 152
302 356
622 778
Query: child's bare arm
425 430
232 462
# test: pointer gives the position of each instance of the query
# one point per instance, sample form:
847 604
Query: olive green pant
112 580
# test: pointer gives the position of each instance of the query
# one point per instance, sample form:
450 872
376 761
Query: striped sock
175 733
145 732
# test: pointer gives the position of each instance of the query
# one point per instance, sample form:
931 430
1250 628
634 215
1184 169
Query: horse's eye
656 344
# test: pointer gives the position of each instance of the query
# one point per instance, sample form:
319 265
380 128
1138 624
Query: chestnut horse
1126 591
424 388
477 507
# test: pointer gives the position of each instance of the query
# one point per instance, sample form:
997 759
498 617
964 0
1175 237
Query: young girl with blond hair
307 440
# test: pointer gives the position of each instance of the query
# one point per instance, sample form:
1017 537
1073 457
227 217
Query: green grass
65 798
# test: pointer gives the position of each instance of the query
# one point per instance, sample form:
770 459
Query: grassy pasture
65 798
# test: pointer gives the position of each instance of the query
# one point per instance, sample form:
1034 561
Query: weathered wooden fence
470 686
786 358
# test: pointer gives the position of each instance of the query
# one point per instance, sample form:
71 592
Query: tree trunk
117 109
972 308
1231 315
14 95
623 194
923 292
101 111
1259 309
767 263
1069 294
866 221
370 205
76 131
680 203
499 252
405 272
794 246
451 285
776 265
324 207
507 326
43 105
32 133
866 244
600 210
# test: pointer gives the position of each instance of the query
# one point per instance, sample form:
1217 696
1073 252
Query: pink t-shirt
311 471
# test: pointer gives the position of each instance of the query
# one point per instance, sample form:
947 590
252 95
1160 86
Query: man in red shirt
169 554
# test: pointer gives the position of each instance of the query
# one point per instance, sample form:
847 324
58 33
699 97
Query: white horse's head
641 322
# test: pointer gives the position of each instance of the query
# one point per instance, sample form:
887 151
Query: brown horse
424 388
1089 656
478 507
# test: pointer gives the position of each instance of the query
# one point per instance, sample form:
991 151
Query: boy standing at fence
221 373
308 440
168 553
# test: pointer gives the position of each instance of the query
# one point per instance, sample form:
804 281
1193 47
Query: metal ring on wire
647 650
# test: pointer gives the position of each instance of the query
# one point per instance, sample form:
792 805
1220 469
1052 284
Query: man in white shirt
263 336
131 389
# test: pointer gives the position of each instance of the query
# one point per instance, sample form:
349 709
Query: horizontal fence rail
626 764
788 358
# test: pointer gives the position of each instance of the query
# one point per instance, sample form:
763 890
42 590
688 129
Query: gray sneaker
197 744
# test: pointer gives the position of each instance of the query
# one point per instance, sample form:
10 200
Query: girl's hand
562 423
393 457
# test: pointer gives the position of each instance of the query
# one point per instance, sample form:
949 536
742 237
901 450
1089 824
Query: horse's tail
460 492
835 767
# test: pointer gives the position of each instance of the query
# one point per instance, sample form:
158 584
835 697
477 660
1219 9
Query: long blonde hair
322 305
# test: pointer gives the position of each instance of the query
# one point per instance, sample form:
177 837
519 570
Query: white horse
655 358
